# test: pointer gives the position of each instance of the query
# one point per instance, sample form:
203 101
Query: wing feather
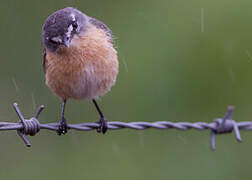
44 61
100 25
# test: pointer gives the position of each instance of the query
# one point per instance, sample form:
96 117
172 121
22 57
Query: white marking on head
78 27
69 30
57 39
73 17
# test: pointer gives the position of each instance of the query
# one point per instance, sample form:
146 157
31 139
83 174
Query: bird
80 61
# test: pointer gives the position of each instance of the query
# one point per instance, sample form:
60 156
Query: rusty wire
218 126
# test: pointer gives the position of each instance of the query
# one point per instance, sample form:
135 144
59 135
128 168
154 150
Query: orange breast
85 70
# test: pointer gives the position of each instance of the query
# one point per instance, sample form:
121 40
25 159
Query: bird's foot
62 127
103 125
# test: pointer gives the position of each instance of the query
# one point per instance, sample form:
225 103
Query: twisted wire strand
218 126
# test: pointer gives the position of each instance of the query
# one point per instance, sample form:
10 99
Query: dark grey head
61 26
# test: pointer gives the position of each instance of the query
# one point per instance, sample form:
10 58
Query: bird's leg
103 122
62 124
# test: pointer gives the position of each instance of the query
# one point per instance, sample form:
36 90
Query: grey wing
101 25
44 61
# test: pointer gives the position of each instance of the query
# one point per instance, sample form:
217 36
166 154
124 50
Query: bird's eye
53 42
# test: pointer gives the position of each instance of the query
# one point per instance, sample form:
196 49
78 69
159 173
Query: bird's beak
66 42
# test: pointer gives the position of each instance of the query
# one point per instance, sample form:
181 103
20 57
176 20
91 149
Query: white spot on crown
69 30
73 17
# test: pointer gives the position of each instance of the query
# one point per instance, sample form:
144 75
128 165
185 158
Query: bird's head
61 27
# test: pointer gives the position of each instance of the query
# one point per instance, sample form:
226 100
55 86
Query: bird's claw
62 127
103 125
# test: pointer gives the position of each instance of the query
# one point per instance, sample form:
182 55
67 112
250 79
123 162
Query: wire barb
29 126
219 126
225 125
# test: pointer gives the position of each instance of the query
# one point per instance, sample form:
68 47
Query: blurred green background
179 61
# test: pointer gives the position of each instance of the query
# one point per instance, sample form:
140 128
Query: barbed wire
219 126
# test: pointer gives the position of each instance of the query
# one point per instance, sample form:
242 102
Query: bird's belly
88 83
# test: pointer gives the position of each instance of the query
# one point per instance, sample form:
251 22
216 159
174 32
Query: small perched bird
79 59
